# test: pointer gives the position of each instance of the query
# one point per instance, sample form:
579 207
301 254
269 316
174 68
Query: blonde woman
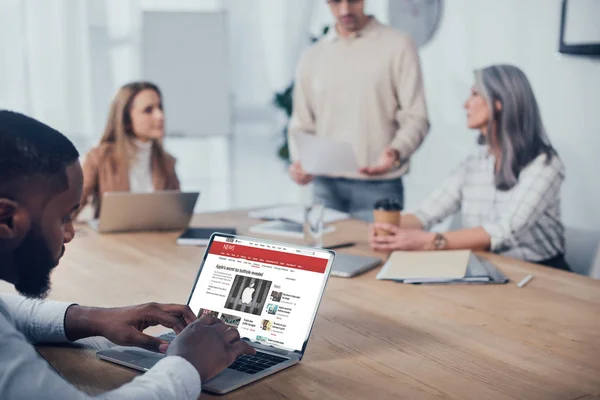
130 155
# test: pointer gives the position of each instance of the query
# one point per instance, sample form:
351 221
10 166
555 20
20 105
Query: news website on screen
269 292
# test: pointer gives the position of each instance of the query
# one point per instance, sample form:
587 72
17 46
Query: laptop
129 212
269 291
349 265
201 236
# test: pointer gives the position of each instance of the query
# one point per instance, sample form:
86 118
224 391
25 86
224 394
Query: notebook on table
451 266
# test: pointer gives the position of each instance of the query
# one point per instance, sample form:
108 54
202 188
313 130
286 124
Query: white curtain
61 61
44 62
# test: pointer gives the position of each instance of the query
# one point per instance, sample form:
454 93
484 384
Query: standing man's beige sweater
367 90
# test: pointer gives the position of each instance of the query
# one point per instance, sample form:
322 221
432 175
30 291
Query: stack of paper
295 214
284 228
325 156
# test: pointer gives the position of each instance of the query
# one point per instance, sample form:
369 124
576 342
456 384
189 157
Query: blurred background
226 66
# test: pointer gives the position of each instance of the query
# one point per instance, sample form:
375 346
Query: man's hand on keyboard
125 325
209 345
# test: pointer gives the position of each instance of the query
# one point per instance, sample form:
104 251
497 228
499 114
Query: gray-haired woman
508 192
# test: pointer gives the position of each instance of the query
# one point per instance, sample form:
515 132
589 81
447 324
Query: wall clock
418 18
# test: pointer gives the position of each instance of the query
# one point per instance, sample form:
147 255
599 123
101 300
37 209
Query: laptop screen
269 291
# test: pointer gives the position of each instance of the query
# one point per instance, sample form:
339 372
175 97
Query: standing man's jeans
355 196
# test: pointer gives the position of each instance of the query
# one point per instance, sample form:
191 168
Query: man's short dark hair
30 148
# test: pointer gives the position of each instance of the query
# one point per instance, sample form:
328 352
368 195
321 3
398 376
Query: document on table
284 228
295 214
425 265
320 155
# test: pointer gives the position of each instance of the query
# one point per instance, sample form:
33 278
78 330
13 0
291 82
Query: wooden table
372 339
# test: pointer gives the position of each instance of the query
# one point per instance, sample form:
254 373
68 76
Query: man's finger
167 319
221 327
147 342
209 320
231 335
378 169
296 169
241 347
181 311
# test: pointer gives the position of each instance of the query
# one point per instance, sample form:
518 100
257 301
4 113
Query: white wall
476 33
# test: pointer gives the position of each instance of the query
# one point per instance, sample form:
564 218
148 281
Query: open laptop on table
351 265
162 210
273 291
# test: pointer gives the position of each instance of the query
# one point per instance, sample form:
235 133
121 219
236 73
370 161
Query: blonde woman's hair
119 131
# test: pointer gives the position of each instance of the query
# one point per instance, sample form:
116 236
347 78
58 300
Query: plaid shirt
523 222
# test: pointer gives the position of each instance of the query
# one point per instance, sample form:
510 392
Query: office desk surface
372 339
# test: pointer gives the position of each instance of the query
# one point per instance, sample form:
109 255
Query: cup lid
388 204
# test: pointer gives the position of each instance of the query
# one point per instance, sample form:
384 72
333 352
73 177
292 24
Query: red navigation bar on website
273 257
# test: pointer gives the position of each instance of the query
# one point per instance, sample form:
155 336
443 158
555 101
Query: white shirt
24 375
140 170
523 222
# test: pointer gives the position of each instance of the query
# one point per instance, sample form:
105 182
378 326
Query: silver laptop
272 294
128 212
349 265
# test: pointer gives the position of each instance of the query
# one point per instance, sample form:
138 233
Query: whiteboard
187 55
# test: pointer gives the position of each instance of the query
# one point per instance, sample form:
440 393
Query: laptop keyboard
245 363
256 363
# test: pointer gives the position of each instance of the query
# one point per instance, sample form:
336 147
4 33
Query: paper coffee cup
387 211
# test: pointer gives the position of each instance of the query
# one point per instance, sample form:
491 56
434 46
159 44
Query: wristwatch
439 242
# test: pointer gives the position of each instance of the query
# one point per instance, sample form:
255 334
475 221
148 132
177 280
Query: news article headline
239 271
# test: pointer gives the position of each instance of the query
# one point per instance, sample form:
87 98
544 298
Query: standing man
360 84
